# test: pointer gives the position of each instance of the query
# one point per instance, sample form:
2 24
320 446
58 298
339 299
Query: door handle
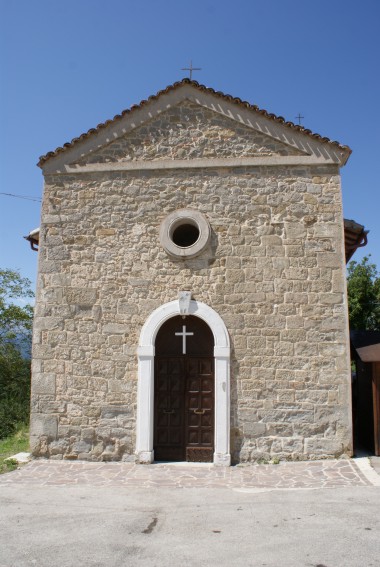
168 411
199 411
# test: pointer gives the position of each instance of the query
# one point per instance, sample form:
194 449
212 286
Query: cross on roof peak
191 69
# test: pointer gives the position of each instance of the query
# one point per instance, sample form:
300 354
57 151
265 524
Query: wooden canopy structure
366 389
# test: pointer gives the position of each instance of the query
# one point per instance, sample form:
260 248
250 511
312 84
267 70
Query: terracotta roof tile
355 236
43 159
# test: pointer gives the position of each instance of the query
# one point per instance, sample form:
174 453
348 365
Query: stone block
111 412
41 425
126 307
279 429
232 262
264 445
284 348
305 349
104 368
328 260
80 296
234 276
294 230
294 322
81 447
296 274
333 324
293 445
115 328
47 323
297 298
118 386
92 412
295 251
275 251
327 230
331 298
80 369
105 232
52 406
323 447
43 383
312 396
58 447
271 240
331 349
254 429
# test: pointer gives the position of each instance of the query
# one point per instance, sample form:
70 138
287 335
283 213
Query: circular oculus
184 233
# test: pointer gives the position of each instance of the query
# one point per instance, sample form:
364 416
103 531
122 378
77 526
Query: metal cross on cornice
299 118
191 69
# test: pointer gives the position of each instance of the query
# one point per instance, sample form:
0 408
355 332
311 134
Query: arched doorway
145 394
184 391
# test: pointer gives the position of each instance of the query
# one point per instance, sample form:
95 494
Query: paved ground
313 474
317 514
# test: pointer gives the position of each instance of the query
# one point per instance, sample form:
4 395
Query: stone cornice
139 165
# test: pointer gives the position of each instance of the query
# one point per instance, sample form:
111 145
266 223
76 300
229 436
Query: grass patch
16 443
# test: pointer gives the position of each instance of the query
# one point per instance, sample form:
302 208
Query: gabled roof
203 89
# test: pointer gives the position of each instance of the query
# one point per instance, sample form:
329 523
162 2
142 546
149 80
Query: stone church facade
191 300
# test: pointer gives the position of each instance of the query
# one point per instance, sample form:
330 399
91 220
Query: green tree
15 346
363 285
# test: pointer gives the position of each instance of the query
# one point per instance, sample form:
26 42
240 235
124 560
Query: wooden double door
184 391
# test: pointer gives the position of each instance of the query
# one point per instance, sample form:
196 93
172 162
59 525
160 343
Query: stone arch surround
145 393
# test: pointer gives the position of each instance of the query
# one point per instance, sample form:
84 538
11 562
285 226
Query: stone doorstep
375 463
365 465
20 458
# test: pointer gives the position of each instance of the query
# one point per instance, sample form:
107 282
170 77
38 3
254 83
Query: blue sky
67 66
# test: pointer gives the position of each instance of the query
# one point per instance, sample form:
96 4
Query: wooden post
376 404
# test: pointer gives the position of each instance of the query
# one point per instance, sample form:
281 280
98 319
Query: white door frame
145 392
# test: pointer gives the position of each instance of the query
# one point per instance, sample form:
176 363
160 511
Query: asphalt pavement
65 523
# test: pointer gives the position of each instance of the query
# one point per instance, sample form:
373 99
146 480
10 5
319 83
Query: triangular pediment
190 123
189 131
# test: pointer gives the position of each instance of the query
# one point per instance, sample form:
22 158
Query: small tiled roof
366 344
195 84
355 236
362 339
34 238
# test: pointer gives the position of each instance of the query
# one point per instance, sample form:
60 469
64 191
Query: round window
185 233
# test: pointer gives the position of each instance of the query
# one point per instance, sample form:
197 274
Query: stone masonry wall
273 271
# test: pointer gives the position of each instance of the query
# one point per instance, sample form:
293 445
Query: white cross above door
184 334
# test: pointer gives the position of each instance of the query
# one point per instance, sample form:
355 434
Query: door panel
169 410
184 391
199 423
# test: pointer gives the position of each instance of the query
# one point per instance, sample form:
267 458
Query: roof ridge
236 100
